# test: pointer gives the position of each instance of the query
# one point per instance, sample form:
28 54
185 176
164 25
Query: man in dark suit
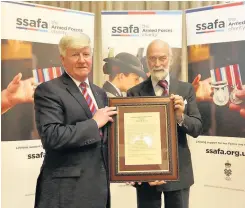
71 119
176 194
124 72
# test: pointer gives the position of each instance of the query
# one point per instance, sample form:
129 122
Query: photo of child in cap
125 71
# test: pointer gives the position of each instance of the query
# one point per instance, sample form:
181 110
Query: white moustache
159 73
157 70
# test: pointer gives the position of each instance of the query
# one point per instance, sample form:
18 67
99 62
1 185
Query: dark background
226 122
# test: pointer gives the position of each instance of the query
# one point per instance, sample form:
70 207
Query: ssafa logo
32 24
209 27
130 30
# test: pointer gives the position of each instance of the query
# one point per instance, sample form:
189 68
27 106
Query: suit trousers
149 197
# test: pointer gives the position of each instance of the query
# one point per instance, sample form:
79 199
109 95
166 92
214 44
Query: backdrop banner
126 35
30 34
216 68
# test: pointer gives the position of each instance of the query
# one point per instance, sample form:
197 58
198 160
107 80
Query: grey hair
170 52
73 41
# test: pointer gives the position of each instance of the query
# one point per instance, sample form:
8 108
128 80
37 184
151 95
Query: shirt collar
119 91
78 82
155 82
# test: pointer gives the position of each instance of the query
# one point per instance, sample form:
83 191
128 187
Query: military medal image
235 82
220 86
226 81
46 74
233 97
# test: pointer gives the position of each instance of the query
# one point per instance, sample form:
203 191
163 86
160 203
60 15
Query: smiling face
77 62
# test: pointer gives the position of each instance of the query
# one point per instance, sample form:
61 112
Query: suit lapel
97 96
108 87
76 93
147 88
99 101
173 88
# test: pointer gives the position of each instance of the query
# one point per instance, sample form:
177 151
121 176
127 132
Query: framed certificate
143 140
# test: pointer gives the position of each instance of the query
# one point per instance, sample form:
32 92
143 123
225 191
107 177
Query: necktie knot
83 85
163 84
89 101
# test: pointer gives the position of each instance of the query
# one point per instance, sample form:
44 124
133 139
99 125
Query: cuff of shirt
96 123
180 122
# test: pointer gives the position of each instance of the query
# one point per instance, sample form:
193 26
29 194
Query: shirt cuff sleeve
180 121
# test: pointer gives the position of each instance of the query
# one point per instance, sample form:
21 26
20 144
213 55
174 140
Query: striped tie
90 102
164 85
87 97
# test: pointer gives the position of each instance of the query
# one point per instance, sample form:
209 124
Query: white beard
159 74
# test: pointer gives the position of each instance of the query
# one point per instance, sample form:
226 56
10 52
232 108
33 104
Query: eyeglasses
160 58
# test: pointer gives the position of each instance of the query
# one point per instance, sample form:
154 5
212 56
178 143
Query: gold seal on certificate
143 140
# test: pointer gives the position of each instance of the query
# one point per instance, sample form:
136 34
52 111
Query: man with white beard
160 83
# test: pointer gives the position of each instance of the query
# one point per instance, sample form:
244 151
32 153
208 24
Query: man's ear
120 75
62 59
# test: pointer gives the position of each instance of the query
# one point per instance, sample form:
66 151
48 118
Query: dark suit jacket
110 89
192 125
74 172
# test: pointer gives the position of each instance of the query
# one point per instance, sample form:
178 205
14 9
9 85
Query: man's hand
153 183
156 183
133 183
103 115
240 108
179 106
202 89
18 91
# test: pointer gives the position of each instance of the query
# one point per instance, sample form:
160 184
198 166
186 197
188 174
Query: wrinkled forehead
158 50
78 49
78 44
158 47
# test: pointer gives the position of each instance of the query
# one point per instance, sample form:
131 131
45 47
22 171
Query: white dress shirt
158 89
